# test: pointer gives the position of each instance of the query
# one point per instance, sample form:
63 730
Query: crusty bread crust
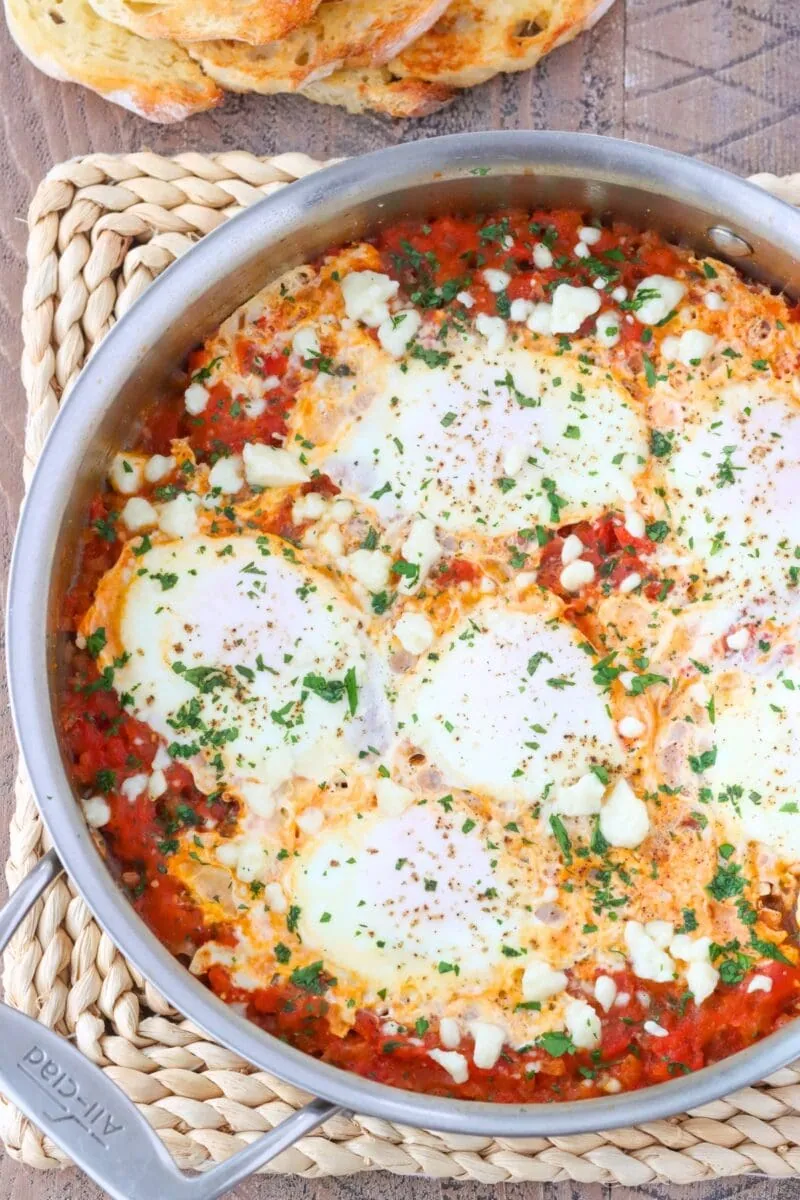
253 21
377 90
67 40
352 33
475 39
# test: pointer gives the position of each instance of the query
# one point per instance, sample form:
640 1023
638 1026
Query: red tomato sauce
107 746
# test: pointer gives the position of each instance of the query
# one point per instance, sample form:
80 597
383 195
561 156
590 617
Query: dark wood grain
714 78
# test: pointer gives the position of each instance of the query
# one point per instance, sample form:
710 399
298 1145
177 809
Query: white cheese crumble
158 467
226 474
494 329
580 799
634 523
694 346
125 474
96 811
540 981
308 508
572 549
370 568
542 256
449 1033
701 979
759 983
133 787
138 514
275 898
624 820
648 960
271 466
465 299
157 785
605 991
489 1041
454 1063
630 727
414 632
583 1024
496 281
178 517
310 820
655 1030
734 641
715 302
397 331
196 399
576 576
607 328
422 549
590 234
520 310
581 250
572 306
306 343
666 294
630 582
341 511
619 294
365 295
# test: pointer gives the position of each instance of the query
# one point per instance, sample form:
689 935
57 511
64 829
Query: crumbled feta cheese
605 991
494 329
590 234
465 299
540 981
624 820
370 568
583 1024
454 1063
365 295
341 511
332 542
275 898
655 1030
670 347
158 467
580 799
689 949
734 641
542 256
271 466
449 1033
157 785
226 474
630 582
489 1041
581 250
576 576
178 517
572 549
496 281
524 579
259 797
393 799
414 632
666 294
715 302
541 319
397 330
306 343
421 548
701 979
619 294
694 346
607 328
634 523
125 474
138 514
514 459
572 306
631 727
161 758
133 787
520 309
660 932
196 399
759 983
251 862
599 284
96 811
310 820
308 508
648 960
255 407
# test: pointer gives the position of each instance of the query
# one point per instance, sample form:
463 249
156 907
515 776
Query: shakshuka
433 686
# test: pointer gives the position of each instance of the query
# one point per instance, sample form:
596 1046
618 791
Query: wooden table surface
715 78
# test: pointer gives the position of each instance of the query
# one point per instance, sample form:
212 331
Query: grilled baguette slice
67 40
475 39
352 33
253 21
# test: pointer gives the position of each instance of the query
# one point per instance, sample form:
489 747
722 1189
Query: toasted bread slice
476 39
66 39
377 90
253 21
358 33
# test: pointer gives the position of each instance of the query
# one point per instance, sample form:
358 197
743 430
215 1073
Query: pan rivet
729 243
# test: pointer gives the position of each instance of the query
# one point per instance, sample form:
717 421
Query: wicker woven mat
101 229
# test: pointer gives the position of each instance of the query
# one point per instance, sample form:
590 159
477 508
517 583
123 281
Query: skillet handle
86 1114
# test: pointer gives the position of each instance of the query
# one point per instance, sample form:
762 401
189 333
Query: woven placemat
101 229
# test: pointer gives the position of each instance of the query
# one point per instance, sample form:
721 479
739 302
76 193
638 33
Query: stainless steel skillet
60 1090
